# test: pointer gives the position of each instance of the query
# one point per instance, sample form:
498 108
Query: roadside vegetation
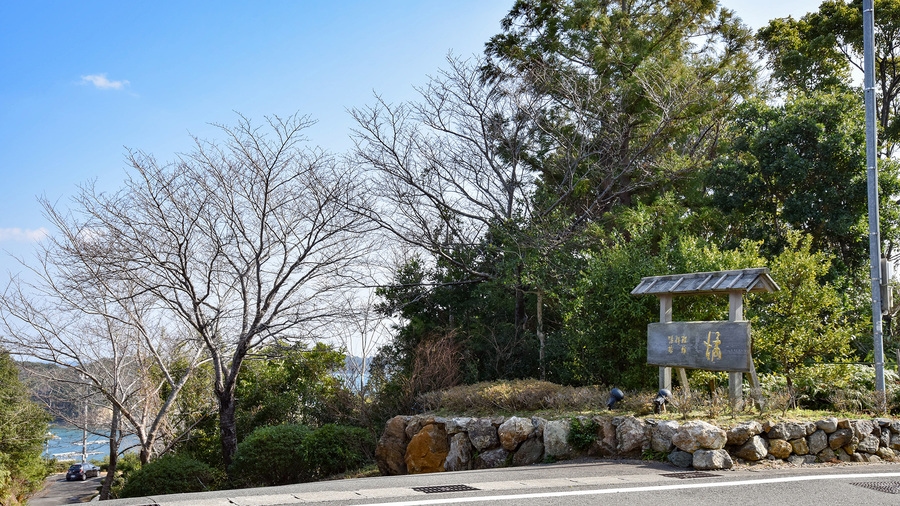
23 430
253 311
705 398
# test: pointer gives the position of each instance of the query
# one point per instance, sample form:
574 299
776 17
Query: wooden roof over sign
698 283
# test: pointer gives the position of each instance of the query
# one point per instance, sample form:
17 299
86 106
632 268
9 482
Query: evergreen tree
23 431
800 166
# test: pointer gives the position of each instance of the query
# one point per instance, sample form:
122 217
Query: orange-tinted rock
780 449
427 450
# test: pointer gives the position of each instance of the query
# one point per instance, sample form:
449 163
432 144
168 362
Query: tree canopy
23 431
819 50
798 166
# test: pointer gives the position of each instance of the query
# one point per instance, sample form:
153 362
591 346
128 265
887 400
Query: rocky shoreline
424 443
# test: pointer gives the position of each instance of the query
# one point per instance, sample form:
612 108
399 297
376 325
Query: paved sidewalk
571 475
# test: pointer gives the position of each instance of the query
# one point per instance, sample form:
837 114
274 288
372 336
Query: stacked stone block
422 444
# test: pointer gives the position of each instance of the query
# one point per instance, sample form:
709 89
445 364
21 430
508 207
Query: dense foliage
23 429
653 150
272 456
798 167
171 474
819 51
292 384
804 330
285 454
279 385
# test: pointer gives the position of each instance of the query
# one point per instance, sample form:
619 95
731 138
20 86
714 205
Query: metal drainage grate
691 474
891 487
444 488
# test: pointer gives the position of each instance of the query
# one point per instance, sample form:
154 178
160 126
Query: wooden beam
665 316
736 379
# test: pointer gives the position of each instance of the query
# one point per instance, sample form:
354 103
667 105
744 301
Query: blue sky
81 81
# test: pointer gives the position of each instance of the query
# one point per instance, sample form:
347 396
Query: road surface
59 491
586 482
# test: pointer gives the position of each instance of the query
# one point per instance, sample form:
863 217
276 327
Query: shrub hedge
270 456
285 454
171 474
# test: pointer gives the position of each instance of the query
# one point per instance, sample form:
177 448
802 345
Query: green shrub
23 429
55 466
285 454
204 442
271 456
171 474
334 449
127 466
582 433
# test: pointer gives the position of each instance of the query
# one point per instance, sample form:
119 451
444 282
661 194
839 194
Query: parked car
82 471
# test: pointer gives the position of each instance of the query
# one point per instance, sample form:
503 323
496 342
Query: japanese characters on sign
714 346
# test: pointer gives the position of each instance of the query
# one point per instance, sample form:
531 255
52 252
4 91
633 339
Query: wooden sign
713 346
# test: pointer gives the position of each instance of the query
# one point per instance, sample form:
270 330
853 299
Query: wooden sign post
711 346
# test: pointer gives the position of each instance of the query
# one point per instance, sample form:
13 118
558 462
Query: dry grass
542 398
369 471
515 396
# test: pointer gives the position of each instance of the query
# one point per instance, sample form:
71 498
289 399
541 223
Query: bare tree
452 169
449 167
240 240
97 343
475 154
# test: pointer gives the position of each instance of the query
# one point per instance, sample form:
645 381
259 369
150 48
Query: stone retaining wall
423 444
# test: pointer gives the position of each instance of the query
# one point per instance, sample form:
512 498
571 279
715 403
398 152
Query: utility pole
872 179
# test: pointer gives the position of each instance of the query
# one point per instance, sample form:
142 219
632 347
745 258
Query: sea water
65 443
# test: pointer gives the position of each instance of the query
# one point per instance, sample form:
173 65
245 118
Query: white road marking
626 490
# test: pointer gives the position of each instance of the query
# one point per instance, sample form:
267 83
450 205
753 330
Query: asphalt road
586 482
59 491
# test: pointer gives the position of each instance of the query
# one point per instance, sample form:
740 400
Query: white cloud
100 81
90 235
20 235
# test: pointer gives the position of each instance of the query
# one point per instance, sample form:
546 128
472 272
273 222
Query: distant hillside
53 387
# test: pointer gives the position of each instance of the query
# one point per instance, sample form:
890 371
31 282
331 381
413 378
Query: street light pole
872 179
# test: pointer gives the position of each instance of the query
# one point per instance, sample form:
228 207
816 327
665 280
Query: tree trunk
227 426
144 455
520 304
790 388
540 335
113 454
